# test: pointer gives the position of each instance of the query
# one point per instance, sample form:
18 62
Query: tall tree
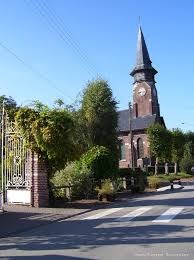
99 114
9 104
189 138
177 151
160 143
187 162
79 136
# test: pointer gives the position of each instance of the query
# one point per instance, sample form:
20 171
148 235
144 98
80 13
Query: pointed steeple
143 62
143 58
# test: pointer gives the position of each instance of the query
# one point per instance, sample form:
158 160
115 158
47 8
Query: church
143 112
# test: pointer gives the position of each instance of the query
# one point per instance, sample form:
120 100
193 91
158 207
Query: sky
50 49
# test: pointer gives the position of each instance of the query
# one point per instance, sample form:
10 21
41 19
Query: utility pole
2 156
131 136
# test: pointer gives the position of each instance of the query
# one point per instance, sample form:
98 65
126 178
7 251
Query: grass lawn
173 176
160 180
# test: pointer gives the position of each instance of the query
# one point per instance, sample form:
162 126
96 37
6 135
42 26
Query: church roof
139 123
142 59
142 51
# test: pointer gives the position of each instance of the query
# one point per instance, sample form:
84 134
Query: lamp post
131 135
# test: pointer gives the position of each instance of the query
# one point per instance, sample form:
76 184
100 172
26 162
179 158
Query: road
159 226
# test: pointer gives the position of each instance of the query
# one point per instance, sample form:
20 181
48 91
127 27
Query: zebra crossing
133 214
168 215
128 214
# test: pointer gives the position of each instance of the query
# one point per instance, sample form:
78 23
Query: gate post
40 192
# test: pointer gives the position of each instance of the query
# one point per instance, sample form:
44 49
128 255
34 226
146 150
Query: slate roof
143 122
143 61
142 51
123 120
138 123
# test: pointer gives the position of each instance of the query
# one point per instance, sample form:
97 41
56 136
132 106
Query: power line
57 25
68 33
31 68
51 19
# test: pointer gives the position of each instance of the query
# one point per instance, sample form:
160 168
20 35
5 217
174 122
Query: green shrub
124 172
153 182
140 178
62 179
118 184
186 164
99 159
83 182
141 181
75 175
106 188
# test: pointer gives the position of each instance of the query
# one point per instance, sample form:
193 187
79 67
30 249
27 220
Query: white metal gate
15 165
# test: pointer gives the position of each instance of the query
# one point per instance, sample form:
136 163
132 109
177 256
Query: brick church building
144 111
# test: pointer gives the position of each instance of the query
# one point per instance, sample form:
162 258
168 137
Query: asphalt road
160 226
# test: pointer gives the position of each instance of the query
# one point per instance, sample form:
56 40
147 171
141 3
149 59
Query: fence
161 169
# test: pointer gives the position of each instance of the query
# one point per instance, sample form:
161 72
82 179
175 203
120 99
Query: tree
177 151
78 132
10 106
189 138
99 115
188 160
48 131
101 162
160 143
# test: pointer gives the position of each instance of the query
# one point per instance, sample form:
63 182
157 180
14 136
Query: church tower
145 98
133 123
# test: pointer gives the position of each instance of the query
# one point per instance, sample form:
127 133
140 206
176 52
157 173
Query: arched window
140 150
122 151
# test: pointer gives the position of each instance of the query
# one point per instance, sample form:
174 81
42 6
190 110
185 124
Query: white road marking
175 186
133 214
103 213
168 215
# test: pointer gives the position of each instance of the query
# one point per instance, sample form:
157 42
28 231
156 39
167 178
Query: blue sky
103 35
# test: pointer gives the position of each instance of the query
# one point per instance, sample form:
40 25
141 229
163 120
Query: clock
141 92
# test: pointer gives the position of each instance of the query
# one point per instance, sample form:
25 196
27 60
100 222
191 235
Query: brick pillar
40 192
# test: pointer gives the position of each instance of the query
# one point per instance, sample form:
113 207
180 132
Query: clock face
141 92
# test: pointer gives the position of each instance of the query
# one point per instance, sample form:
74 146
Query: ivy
48 131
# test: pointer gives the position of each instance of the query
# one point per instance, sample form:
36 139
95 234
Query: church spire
143 58
143 62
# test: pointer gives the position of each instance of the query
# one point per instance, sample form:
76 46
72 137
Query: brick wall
142 105
38 171
126 140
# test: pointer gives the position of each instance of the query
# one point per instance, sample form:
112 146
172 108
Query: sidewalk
16 219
